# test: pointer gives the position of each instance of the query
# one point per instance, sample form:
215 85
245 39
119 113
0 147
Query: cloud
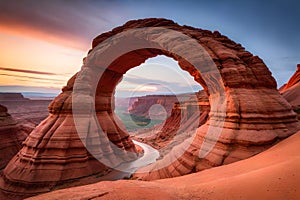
147 88
27 71
133 85
43 82
73 23
30 77
20 88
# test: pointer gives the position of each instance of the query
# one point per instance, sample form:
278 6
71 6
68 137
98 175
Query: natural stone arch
256 117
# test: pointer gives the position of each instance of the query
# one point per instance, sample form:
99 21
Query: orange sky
54 36
27 49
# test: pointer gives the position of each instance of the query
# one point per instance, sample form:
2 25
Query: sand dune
273 174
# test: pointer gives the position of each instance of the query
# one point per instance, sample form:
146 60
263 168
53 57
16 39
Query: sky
43 42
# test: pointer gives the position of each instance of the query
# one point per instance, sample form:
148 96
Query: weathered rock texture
12 136
187 115
54 156
141 105
291 91
256 116
294 80
273 174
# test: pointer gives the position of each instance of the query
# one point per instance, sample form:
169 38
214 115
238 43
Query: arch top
238 67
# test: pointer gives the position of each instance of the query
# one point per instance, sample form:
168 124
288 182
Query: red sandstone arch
256 115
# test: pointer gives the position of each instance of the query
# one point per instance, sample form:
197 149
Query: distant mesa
140 107
12 97
185 117
256 116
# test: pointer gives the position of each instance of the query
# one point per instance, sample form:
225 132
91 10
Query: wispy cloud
21 88
58 83
133 85
30 77
73 23
26 71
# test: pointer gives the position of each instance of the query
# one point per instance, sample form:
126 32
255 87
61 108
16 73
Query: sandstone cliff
186 116
5 96
273 174
255 116
141 105
291 91
12 135
294 80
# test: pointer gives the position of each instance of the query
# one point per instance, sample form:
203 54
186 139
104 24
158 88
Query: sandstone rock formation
54 156
256 115
141 105
291 91
187 115
12 97
12 136
294 80
273 174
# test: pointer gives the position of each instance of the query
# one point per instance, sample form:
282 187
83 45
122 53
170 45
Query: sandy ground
273 174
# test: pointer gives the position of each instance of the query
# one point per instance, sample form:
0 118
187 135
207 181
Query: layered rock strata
294 80
291 91
54 156
141 105
185 117
12 135
255 116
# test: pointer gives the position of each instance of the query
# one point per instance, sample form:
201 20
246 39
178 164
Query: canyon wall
291 91
255 117
141 105
12 135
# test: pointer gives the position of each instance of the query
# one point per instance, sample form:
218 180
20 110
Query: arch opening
164 134
173 107
133 47
81 123
151 89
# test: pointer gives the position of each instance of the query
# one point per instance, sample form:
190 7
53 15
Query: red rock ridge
185 117
294 80
141 105
273 174
12 135
256 115
291 91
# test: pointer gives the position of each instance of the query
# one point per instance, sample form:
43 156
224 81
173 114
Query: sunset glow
54 36
18 52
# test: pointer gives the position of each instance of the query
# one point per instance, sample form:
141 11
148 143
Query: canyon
213 135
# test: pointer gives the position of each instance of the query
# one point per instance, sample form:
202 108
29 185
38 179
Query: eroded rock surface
273 174
140 107
53 155
12 135
187 115
255 118
294 80
291 91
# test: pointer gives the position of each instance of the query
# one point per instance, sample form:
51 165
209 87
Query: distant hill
10 96
39 95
